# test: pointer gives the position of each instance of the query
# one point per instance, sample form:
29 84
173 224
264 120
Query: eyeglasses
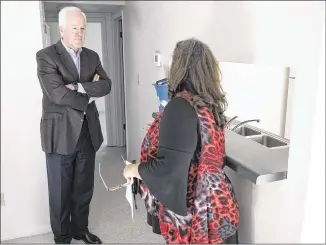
117 187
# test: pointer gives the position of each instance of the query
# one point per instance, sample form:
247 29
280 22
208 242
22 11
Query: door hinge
124 126
120 34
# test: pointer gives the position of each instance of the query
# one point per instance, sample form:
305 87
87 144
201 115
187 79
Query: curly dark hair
194 66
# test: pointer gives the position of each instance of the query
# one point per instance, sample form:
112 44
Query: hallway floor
110 215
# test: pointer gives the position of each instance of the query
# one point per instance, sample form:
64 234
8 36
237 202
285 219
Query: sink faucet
228 122
244 122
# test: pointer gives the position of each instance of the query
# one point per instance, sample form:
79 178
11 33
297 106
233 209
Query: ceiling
52 7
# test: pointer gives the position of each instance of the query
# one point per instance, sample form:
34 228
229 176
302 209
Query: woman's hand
131 171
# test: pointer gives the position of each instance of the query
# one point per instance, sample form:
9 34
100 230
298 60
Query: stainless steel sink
245 131
260 136
268 141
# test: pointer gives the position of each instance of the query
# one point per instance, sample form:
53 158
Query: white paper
129 195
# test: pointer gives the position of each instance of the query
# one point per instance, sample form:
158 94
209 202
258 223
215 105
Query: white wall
256 92
158 25
310 18
315 223
283 33
237 31
245 32
23 170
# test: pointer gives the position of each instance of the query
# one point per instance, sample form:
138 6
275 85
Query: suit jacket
63 109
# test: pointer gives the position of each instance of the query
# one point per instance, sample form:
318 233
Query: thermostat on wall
157 58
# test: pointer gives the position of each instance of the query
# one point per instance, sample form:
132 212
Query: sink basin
268 141
244 131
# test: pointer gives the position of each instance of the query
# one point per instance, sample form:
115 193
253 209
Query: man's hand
70 86
96 78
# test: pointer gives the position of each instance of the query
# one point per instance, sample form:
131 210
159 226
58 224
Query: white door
93 40
47 31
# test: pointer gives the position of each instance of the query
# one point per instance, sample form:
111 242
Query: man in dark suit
71 77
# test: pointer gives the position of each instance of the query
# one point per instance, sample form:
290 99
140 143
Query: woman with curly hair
188 197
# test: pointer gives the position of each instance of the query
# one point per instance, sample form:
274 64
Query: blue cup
162 93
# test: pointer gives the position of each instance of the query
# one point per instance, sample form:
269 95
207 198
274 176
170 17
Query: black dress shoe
62 240
89 238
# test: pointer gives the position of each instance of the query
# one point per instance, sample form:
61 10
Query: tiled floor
110 216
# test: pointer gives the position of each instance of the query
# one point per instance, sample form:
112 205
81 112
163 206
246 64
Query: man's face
73 34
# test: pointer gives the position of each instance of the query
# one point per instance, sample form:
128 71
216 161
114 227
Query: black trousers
71 185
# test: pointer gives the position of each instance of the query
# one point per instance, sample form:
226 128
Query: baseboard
37 231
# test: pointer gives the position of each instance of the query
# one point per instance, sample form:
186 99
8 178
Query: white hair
63 14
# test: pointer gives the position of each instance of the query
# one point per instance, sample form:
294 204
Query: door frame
116 17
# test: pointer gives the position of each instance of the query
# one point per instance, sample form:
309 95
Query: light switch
158 58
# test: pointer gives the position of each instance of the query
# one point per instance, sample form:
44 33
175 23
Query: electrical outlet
2 199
